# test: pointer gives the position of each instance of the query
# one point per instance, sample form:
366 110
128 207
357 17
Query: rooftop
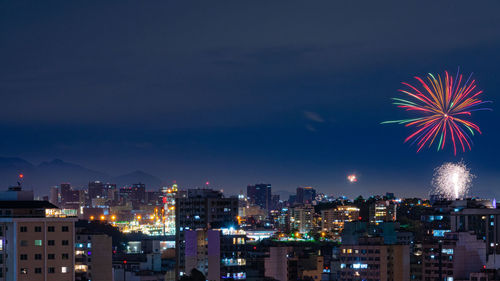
21 204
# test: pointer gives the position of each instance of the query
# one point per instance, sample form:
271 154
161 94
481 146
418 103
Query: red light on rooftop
125 262
21 176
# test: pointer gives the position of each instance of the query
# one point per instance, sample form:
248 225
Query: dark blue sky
239 92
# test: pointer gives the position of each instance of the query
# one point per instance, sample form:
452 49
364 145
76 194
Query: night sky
290 93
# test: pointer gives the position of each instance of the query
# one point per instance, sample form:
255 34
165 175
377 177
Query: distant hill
57 171
151 181
49 173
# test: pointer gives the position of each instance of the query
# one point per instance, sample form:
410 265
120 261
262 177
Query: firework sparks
352 178
452 180
444 103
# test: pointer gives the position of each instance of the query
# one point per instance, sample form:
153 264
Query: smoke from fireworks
444 103
452 180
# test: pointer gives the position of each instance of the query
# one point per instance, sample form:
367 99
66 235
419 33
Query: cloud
310 128
313 116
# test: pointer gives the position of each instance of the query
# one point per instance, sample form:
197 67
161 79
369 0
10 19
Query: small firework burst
352 178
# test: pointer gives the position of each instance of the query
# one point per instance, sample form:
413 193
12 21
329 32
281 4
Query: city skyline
291 100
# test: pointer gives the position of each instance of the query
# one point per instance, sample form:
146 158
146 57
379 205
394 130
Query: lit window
38 242
64 269
24 271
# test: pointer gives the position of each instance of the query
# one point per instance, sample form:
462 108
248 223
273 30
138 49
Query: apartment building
36 242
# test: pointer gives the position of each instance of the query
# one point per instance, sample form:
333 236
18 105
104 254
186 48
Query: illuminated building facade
218 253
301 218
332 220
374 261
382 211
168 211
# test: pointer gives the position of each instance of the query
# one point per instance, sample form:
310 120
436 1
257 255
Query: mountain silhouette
40 178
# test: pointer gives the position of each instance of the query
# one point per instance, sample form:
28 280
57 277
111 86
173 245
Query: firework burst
452 180
352 178
445 103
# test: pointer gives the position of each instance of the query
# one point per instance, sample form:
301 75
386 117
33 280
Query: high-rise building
69 198
275 201
54 195
36 242
138 192
110 192
301 218
261 195
382 211
305 195
201 209
332 220
168 211
65 188
218 253
96 190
